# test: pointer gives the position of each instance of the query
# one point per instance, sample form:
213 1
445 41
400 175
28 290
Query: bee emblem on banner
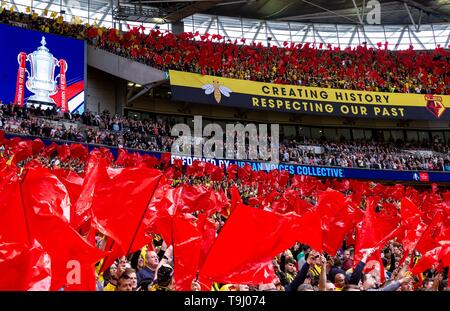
217 89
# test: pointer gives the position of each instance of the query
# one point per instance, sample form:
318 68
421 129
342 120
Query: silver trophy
42 81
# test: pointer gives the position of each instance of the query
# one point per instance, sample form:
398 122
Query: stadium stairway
123 67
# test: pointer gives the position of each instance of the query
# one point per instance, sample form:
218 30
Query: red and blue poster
41 69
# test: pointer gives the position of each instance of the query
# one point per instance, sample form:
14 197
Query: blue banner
329 172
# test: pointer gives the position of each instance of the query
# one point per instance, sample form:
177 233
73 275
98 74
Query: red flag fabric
74 184
207 229
427 260
143 234
410 213
50 196
342 224
21 149
186 249
430 238
306 229
37 146
24 267
63 152
118 200
88 280
336 222
78 151
374 232
13 225
267 234
67 249
82 211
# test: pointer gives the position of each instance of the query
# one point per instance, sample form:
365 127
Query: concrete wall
122 67
105 92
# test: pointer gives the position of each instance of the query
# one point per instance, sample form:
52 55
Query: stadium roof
393 12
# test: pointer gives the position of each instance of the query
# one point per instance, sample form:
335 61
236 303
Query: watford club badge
434 104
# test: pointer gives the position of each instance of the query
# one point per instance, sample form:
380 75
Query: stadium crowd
403 248
308 64
154 135
347 266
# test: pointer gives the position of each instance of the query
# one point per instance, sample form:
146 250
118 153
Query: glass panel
424 136
289 131
330 134
447 136
411 136
438 137
343 134
397 135
387 135
304 131
358 134
316 132
368 134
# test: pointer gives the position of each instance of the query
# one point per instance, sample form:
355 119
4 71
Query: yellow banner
268 95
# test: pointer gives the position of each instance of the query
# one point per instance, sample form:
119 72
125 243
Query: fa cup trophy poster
41 69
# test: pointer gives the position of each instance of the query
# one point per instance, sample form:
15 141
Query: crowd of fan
154 135
299 268
360 68
368 154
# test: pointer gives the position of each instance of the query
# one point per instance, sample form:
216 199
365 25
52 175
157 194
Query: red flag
306 229
68 251
118 200
267 234
232 171
374 232
427 260
143 235
97 163
24 268
336 222
207 228
74 184
50 196
21 149
342 224
13 225
186 248
78 151
410 214
37 146
63 152
430 238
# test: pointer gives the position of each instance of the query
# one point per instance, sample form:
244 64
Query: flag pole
24 208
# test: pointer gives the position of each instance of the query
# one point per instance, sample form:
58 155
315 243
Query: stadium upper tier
359 68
